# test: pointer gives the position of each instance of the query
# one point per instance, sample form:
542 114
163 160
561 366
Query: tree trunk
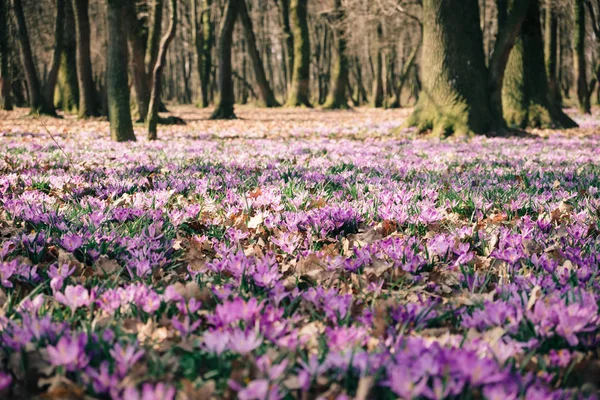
300 87
264 88
157 75
154 29
137 47
87 90
408 64
202 36
377 95
34 87
550 51
59 34
224 107
579 64
119 114
337 98
5 81
455 97
288 37
66 96
526 97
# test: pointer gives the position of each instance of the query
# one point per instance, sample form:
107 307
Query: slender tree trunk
34 87
225 105
526 97
288 37
300 88
137 47
157 75
579 63
202 36
377 96
264 88
154 29
455 97
338 98
406 67
119 114
87 90
5 81
59 34
550 50
66 96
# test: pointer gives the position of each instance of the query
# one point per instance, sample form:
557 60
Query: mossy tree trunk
66 96
59 36
526 98
136 37
264 88
551 50
377 94
300 87
225 105
337 98
87 92
157 74
202 36
119 114
455 96
579 63
5 81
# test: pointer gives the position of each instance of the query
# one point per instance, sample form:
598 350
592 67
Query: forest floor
297 254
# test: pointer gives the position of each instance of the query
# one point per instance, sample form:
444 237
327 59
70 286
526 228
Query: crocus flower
74 297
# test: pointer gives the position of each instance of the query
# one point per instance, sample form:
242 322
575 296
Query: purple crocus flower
71 242
74 297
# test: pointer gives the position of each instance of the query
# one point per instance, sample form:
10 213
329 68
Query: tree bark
137 47
157 75
579 63
202 36
455 97
264 88
5 80
87 90
337 98
119 114
288 36
225 105
406 67
377 95
300 87
526 97
34 87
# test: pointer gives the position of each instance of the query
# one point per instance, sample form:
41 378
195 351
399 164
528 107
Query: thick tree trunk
264 88
5 81
157 75
87 90
154 30
137 47
34 87
550 51
377 95
66 96
579 63
337 98
224 107
526 97
300 87
455 97
119 114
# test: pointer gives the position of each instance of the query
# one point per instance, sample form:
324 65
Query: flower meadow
334 262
